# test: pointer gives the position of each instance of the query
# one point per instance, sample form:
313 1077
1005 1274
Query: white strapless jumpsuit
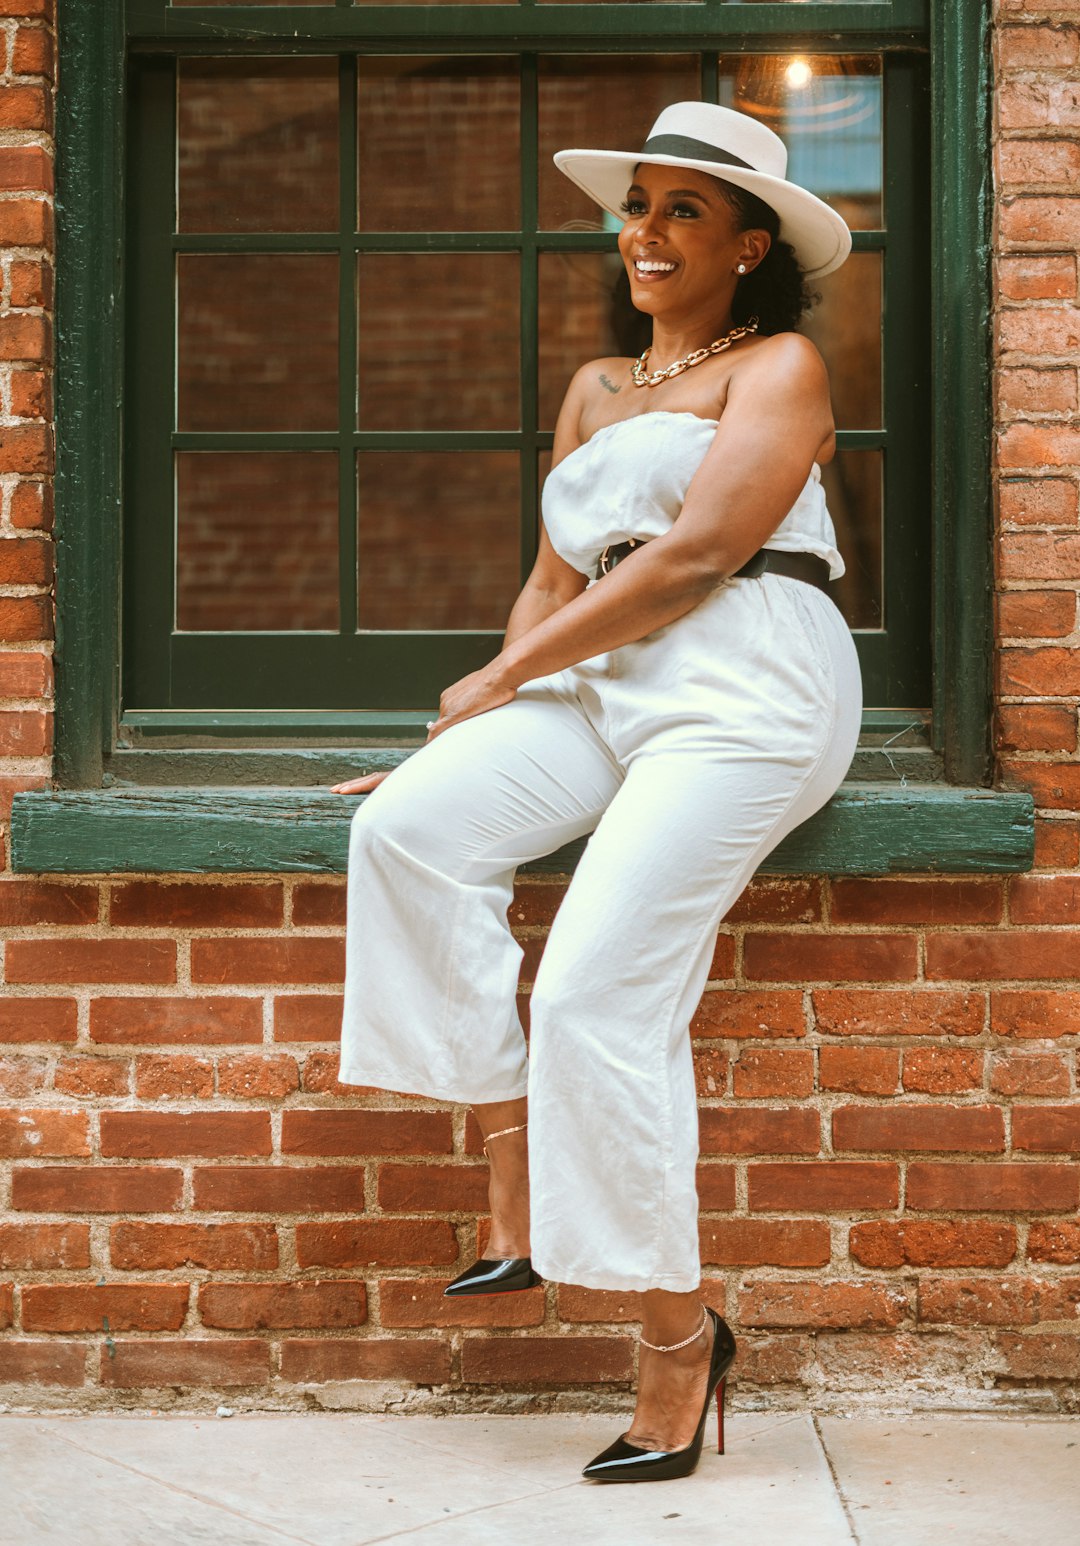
692 752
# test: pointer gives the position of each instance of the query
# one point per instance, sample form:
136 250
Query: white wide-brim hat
728 144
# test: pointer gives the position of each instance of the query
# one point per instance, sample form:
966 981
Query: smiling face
681 243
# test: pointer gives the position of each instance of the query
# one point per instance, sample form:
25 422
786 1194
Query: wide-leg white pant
692 752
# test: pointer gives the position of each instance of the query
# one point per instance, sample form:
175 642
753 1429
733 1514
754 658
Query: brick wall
192 1209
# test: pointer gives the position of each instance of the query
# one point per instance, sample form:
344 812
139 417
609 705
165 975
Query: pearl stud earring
742 268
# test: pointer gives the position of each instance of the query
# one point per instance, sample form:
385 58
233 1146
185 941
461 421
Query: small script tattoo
608 385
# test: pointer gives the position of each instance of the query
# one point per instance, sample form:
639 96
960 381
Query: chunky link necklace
717 346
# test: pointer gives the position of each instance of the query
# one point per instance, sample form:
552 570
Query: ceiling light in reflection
798 73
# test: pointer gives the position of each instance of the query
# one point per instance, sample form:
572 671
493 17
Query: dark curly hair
775 290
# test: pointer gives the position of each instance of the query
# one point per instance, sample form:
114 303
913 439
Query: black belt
801 566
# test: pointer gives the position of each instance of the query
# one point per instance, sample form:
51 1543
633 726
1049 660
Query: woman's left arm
776 417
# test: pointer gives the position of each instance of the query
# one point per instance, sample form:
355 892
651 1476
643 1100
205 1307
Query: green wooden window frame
186 787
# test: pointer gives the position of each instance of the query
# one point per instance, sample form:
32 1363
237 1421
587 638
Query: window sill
867 828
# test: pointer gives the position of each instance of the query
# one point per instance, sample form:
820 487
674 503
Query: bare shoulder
784 380
588 399
785 360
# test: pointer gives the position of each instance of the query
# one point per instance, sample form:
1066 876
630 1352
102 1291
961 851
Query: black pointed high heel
496 1274
623 1462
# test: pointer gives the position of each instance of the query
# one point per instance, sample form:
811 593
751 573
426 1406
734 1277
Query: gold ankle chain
503 1130
673 1345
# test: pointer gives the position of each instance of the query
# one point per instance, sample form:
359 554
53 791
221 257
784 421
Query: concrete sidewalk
334 1480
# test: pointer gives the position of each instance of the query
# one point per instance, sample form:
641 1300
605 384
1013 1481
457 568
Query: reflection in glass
437 545
257 340
256 540
584 313
827 110
602 100
437 143
257 144
846 326
853 492
439 340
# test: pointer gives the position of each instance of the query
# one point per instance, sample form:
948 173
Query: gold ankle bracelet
501 1131
672 1346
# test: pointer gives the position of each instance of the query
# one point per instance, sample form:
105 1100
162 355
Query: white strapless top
627 482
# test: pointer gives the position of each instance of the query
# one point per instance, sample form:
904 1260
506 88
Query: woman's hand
473 694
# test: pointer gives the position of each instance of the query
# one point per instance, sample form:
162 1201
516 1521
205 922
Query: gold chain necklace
717 346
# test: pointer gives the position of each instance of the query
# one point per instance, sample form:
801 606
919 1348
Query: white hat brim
819 235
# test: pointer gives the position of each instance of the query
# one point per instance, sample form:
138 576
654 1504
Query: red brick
1054 1240
27 674
40 1247
34 1019
320 1076
716 1187
1030 276
1040 445
91 960
434 1188
1034 162
204 1021
42 1363
1029 47
24 107
33 52
1022 391
1029 1073
31 502
1057 841
303 958
420 1361
771 1071
1044 898
21 1077
1050 221
25 733
1034 1012
979 1301
823 1186
1053 786
535 902
137 1247
420 1302
1042 501
110 1306
1039 555
43 1132
271 1189
102 1076
1033 727
377 1242
96 1189
23 336
196 905
244 1306
780 899
1040 1355
970 1187
929 1243
25 561
915 901
1050 671
737 1012
252 1076
30 397
710 1071
942 1070
174 1076
25 617
898 1012
830 957
308 1017
722 965
544 1361
765 1243
165 1365
164 1134
31 285
367 1132
860 1070
760 1130
1004 953
921 1128
821 1304
1047 1129
318 904
25 223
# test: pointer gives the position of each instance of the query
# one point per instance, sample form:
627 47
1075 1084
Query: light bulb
798 73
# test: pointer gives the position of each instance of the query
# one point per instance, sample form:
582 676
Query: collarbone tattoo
608 384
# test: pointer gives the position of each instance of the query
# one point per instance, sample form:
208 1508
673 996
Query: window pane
256 540
257 341
853 493
257 144
438 539
437 144
827 110
585 312
602 100
439 340
846 326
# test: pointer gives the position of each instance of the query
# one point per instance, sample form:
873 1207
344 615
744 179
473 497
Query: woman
687 688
